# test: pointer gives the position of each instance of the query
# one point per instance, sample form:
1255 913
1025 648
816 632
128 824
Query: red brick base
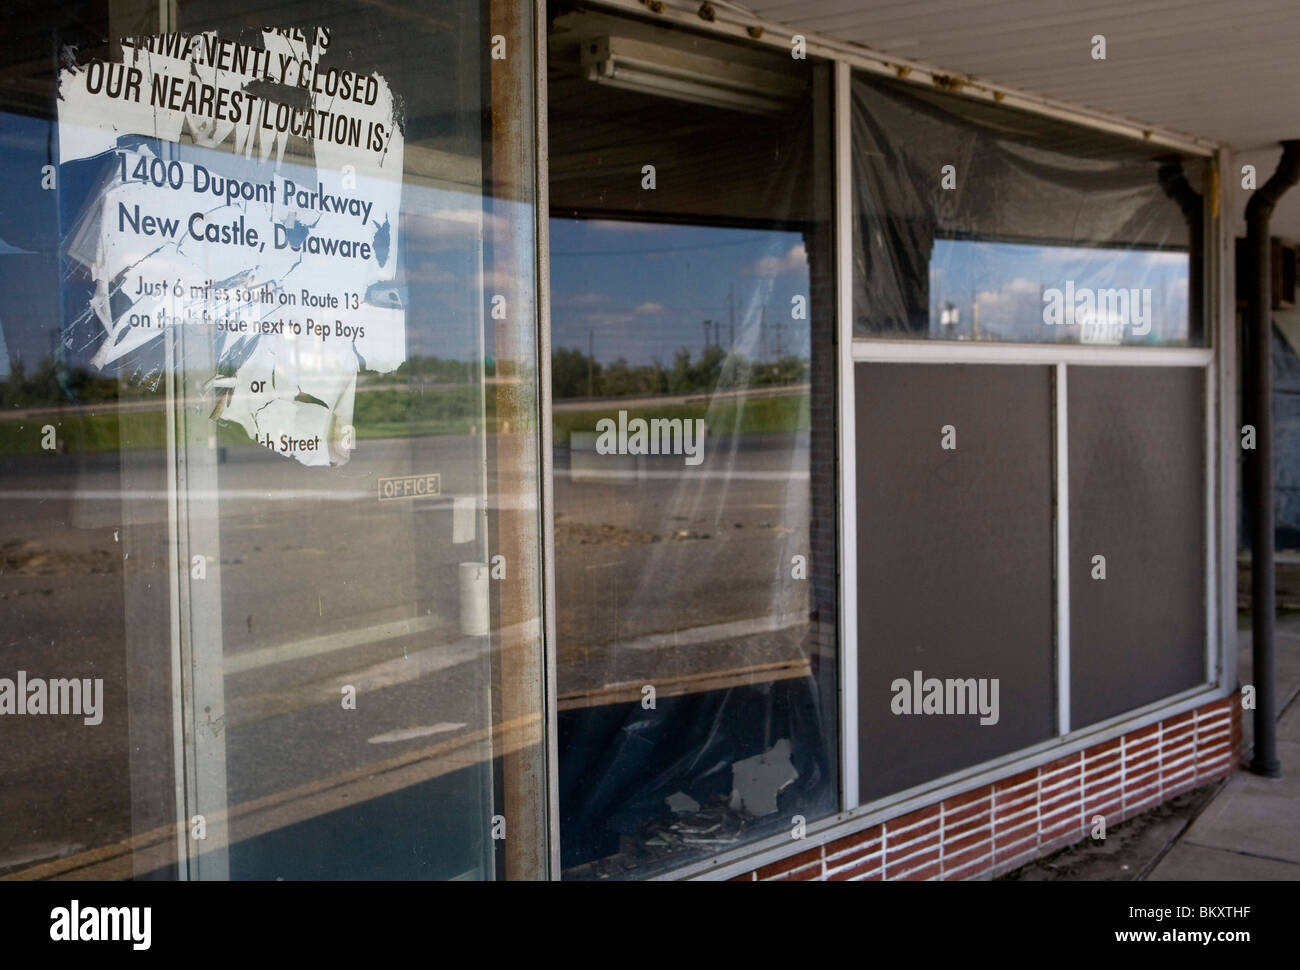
1003 825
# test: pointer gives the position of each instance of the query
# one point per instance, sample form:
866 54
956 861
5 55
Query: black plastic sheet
956 198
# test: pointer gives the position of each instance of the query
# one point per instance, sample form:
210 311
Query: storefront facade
594 441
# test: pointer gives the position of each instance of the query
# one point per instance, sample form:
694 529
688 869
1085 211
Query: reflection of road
323 585
613 404
303 556
676 548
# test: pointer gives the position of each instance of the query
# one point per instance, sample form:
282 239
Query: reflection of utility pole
762 329
778 340
706 334
591 361
731 311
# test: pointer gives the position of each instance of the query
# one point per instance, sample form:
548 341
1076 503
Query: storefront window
1006 508
694 390
269 444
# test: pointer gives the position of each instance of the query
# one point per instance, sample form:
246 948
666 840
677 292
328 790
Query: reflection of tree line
53 383
577 375
574 375
417 370
425 395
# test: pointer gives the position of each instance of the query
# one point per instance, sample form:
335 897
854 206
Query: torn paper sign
248 195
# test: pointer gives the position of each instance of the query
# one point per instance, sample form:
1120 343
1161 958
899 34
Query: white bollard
464 518
474 613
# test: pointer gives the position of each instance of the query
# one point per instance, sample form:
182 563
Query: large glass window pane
692 324
267 279
979 222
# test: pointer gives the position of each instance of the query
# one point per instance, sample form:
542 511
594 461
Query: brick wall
1000 826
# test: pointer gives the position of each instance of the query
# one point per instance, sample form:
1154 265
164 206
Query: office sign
409 486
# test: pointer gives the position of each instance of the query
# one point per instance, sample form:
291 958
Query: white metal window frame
1217 360
550 705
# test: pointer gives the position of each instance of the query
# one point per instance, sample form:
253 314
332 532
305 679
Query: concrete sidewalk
1250 829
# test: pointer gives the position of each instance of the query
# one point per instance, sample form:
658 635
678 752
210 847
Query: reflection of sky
641 291
442 273
29 279
1009 280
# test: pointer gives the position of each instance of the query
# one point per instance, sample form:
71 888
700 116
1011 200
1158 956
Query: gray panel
1137 497
955 561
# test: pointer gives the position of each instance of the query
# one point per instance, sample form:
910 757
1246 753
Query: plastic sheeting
969 215
708 578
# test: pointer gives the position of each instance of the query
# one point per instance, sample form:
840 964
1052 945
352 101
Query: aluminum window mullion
848 585
1224 339
547 483
963 352
1211 290
1211 543
177 653
1062 550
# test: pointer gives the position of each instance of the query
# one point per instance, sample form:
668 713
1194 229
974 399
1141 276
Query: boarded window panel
955 561
1137 497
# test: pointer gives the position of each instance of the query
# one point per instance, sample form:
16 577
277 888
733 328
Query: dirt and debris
27 557
1130 850
680 803
715 825
587 534
682 535
757 781
569 532
722 821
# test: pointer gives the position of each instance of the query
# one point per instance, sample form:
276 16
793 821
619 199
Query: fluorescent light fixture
638 65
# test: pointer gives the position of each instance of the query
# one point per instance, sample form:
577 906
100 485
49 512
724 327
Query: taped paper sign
246 195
